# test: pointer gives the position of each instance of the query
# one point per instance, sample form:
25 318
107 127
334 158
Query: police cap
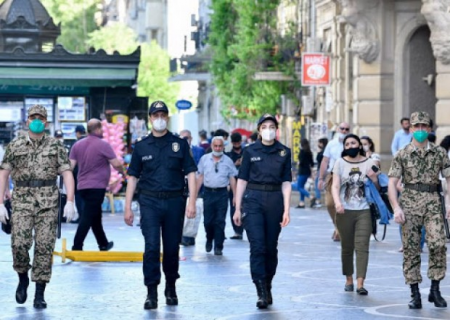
265 117
158 106
37 109
80 129
59 134
420 117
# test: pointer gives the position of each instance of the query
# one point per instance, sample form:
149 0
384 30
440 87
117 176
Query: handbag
6 228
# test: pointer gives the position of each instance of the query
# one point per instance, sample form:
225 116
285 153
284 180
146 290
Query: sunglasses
344 129
216 167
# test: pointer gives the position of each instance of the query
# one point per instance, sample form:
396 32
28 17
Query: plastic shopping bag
191 226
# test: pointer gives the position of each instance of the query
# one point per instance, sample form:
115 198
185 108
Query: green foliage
244 41
77 21
154 70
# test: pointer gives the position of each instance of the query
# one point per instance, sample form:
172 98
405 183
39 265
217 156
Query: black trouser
215 205
262 214
166 216
237 229
91 218
79 202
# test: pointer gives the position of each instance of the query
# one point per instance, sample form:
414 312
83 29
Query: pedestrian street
308 284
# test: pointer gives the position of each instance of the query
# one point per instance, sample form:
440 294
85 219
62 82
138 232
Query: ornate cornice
437 14
364 42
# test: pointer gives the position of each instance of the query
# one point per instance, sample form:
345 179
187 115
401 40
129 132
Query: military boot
435 295
416 302
39 302
261 289
171 294
269 290
21 292
152 298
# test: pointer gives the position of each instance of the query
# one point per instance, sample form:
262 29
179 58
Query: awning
98 77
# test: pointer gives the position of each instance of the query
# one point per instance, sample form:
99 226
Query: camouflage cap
37 109
419 117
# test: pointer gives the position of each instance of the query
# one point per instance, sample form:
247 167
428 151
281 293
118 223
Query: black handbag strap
384 234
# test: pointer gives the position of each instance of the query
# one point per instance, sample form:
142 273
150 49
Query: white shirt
333 151
225 169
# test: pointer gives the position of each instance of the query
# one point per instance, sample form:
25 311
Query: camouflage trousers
44 225
423 210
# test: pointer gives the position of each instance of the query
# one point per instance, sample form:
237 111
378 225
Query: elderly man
34 161
216 172
332 152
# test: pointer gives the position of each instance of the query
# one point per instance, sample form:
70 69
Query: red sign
315 69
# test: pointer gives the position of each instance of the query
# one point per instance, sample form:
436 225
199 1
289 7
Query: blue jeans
422 238
316 187
301 184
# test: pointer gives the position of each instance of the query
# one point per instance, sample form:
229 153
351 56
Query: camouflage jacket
35 160
420 165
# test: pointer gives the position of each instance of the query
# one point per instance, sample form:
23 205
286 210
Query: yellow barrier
98 256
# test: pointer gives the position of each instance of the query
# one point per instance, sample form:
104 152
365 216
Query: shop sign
296 137
183 105
316 69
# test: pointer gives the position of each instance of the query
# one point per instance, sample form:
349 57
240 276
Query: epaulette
141 138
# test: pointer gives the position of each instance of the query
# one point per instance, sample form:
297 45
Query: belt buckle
162 195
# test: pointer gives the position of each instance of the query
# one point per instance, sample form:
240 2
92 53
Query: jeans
301 184
316 187
91 218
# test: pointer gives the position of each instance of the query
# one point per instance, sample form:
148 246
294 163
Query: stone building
390 58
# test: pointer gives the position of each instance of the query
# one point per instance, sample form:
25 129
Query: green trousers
355 228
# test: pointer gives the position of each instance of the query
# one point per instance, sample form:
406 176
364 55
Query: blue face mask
37 126
225 143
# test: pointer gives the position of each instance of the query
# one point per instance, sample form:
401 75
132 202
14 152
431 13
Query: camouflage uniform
422 166
34 208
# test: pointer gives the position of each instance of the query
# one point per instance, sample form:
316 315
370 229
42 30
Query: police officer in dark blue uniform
158 167
262 203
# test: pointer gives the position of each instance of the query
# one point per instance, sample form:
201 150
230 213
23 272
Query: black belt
215 189
264 187
35 183
423 187
162 194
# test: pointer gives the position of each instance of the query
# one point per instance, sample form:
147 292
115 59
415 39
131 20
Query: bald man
331 153
93 157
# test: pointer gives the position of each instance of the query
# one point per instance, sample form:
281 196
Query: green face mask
420 135
37 126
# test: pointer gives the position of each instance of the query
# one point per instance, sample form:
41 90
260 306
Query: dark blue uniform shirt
160 163
266 164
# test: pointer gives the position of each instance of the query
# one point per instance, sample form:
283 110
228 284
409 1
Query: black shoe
261 289
39 302
171 295
107 247
208 246
300 206
435 295
185 243
75 221
416 302
362 291
152 298
236 236
21 292
218 252
269 292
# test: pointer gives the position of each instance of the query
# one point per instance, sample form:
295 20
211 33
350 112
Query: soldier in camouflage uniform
34 161
418 165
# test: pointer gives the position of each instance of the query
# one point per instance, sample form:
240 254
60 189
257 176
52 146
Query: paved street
309 284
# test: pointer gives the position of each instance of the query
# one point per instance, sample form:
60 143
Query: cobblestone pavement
309 284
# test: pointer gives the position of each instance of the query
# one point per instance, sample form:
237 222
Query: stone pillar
443 104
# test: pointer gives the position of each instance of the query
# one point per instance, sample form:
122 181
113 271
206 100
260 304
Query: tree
154 69
77 18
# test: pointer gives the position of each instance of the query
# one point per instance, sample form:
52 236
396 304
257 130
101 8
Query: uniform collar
153 139
38 141
429 148
273 148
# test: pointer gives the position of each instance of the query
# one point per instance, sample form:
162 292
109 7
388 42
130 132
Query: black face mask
352 152
237 148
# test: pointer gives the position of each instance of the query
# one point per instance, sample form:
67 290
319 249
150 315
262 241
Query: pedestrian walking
353 217
369 148
216 171
322 143
331 153
419 165
263 198
305 163
160 162
94 158
34 162
402 137
236 156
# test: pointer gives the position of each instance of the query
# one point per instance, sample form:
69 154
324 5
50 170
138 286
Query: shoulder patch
282 153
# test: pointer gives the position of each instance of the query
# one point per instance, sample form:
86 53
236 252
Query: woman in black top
322 144
305 164
263 198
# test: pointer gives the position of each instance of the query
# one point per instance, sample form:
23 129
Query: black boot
261 289
39 302
171 294
416 302
152 298
435 295
21 292
269 290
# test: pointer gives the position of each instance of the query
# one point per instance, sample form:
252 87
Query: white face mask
366 148
342 136
268 134
159 124
217 153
